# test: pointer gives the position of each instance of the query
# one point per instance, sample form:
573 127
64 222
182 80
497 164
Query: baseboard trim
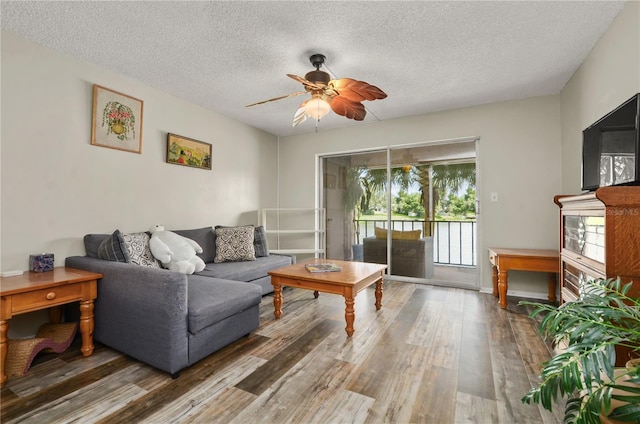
518 293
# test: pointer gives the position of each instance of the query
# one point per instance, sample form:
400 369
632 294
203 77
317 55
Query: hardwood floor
430 355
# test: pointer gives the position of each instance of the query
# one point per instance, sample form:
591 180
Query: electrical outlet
494 197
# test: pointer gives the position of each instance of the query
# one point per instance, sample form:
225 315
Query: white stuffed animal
175 252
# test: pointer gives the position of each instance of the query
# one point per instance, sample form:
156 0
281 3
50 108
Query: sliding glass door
412 208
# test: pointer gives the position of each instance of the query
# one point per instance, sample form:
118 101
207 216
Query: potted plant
583 370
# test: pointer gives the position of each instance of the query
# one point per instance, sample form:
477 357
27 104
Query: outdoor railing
453 241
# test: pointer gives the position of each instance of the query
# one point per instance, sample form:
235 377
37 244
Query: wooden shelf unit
282 225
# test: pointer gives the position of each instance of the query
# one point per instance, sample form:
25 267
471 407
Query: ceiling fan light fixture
317 107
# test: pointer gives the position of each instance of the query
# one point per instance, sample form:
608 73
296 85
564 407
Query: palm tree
375 181
440 179
445 178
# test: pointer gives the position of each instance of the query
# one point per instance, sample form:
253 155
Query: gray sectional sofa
171 320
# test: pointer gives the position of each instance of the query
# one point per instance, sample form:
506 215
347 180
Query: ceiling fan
343 96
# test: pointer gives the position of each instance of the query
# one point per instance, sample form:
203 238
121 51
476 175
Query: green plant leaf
630 413
583 371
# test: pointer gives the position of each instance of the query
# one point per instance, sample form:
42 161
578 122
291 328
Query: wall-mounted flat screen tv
611 148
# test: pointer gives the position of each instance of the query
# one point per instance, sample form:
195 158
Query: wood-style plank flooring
430 355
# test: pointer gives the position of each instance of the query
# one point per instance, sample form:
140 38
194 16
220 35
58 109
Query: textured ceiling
427 56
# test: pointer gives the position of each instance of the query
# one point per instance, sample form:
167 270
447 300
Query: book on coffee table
324 267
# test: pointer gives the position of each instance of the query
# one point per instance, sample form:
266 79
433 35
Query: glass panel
571 233
411 241
585 236
354 197
433 204
571 278
574 278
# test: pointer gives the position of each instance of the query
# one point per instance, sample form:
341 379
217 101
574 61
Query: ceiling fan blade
355 90
348 108
307 83
300 115
297 93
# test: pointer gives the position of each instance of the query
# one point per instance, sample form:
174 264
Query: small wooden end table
33 291
541 260
351 280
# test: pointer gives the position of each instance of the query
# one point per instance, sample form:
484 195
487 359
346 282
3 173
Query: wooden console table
541 260
33 291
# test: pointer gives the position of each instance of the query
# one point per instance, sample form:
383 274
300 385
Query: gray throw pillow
113 248
92 243
260 243
235 244
206 238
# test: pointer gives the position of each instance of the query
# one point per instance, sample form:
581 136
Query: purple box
42 262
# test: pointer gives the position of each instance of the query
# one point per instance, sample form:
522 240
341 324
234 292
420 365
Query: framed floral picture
188 152
117 120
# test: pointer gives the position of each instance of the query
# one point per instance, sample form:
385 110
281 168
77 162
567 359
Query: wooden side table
34 291
541 260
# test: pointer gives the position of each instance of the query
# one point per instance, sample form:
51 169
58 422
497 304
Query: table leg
277 301
4 347
316 294
86 327
379 294
494 275
349 315
551 282
502 288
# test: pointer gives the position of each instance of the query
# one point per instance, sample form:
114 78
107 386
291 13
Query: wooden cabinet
599 238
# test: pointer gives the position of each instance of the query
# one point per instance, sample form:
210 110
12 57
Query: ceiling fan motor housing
318 77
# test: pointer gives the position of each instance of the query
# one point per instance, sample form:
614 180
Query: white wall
519 158
609 76
56 186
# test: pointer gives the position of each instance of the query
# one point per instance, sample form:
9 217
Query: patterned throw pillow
113 248
235 244
139 250
260 243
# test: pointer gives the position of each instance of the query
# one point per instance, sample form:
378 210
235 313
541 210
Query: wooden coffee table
354 277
